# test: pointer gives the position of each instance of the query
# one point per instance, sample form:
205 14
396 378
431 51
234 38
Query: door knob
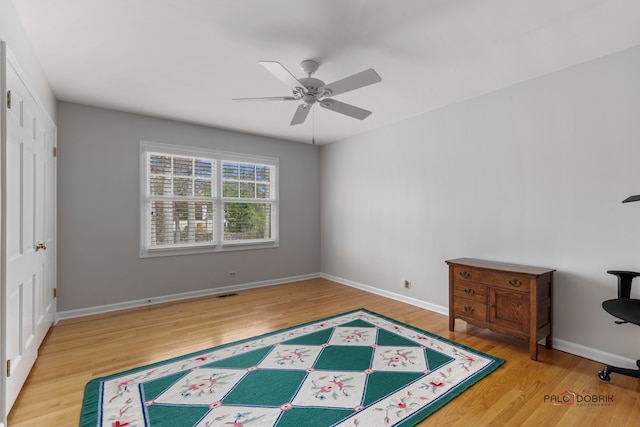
41 245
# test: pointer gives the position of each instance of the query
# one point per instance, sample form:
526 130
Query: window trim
219 245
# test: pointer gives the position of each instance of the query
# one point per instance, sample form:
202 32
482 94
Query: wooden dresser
506 298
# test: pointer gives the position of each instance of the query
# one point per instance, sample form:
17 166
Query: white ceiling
186 59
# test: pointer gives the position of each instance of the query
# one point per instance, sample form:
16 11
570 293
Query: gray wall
531 174
98 219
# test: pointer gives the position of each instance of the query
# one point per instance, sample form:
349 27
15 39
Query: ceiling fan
310 90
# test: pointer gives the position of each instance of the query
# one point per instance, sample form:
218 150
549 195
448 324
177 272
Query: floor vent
227 295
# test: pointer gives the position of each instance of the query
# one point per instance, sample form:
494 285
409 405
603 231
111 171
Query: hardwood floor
77 350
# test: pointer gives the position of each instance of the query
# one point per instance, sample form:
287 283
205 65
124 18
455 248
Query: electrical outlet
406 283
232 273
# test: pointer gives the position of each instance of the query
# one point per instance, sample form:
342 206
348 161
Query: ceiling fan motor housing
311 86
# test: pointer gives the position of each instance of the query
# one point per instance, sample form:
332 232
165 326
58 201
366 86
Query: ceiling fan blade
346 109
284 75
356 81
300 114
267 98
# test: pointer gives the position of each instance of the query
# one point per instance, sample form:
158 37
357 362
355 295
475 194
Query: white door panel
29 232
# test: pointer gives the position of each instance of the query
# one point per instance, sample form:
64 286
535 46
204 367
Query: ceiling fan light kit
310 90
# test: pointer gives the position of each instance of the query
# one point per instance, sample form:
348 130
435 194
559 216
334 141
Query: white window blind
180 200
201 201
248 202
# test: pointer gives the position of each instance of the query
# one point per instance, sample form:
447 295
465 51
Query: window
197 200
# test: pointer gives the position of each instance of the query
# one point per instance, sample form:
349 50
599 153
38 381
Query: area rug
354 369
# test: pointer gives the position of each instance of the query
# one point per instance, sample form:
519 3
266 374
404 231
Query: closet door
28 216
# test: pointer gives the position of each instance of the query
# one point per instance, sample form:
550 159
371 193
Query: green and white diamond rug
353 369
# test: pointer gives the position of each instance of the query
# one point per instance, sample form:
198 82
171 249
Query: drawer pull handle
464 273
469 309
468 291
515 283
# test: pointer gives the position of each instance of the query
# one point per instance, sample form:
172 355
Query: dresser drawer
470 290
503 279
470 308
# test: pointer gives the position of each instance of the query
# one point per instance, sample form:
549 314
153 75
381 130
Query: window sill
194 250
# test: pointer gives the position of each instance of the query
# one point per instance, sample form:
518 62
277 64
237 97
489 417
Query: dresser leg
452 323
533 349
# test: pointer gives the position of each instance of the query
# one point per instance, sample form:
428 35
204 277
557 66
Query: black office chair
626 308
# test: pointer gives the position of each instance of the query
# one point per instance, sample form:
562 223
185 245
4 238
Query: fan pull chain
313 127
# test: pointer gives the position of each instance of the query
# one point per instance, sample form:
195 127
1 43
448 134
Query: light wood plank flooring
77 350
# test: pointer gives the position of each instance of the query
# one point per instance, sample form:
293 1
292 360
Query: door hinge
55 292
8 99
8 368
55 151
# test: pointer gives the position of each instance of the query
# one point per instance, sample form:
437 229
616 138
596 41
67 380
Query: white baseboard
594 354
392 295
558 344
70 314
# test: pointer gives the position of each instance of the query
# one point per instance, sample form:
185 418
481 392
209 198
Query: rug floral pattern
354 369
